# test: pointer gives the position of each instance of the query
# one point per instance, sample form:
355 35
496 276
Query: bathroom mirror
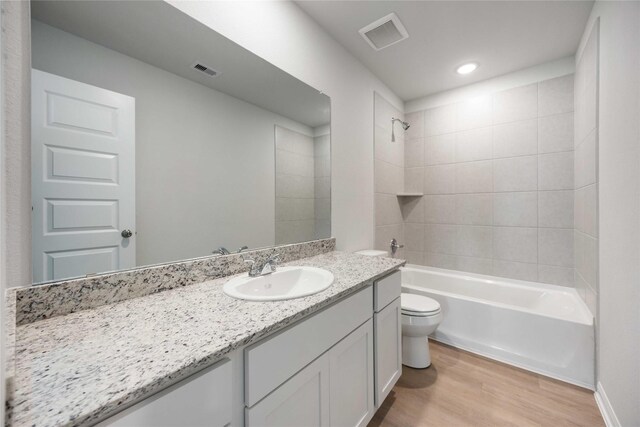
156 139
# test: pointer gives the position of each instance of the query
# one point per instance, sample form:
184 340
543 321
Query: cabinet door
203 399
303 400
388 332
351 367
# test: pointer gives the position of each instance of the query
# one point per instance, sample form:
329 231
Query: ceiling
502 36
159 34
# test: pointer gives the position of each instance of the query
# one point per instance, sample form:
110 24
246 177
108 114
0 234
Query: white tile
384 234
439 120
555 209
414 237
586 160
474 241
386 150
555 96
387 209
439 179
294 209
414 180
416 128
388 178
591 210
555 247
294 142
475 144
439 149
440 209
586 87
515 270
440 260
474 265
414 257
474 209
591 261
515 244
578 209
515 139
520 103
555 133
515 174
414 153
554 275
322 166
474 113
555 171
384 112
412 209
518 209
322 209
440 238
290 163
294 186
474 177
579 251
322 187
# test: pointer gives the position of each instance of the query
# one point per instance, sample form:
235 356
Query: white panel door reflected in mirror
200 172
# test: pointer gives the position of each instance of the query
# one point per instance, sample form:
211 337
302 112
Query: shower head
405 126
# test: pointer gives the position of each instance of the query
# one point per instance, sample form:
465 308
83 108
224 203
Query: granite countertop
78 368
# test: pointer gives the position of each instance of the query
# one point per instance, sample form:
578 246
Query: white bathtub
542 328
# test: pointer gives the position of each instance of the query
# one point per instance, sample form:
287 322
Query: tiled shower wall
389 175
295 198
586 172
303 186
322 183
497 176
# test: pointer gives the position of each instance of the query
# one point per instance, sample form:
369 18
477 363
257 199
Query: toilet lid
413 303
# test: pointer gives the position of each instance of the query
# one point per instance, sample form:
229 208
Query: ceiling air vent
207 70
384 32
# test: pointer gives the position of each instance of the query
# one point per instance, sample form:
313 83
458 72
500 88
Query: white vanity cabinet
333 368
203 399
388 335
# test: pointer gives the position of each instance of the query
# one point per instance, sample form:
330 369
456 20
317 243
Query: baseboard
605 407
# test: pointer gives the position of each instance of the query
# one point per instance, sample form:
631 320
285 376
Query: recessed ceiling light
467 68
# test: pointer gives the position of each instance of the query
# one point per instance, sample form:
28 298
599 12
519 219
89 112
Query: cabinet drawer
386 290
274 360
203 399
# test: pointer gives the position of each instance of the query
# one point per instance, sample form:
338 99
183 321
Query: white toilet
420 317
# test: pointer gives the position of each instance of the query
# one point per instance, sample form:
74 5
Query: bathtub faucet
395 246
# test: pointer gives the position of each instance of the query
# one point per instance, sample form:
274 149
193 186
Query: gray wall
618 128
204 160
497 175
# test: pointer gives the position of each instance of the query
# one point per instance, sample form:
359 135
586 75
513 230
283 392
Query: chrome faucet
224 251
268 267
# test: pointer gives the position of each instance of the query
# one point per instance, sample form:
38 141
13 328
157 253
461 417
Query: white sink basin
285 283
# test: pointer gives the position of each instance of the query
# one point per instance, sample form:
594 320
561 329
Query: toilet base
415 352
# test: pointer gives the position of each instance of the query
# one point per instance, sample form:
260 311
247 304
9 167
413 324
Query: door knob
126 233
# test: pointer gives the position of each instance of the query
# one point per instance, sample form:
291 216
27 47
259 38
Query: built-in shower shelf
410 194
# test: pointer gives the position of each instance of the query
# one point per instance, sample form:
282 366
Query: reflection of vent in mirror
207 70
384 32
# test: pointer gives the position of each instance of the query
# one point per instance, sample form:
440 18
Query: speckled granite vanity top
75 369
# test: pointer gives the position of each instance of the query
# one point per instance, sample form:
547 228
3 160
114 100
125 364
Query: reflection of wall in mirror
204 160
302 185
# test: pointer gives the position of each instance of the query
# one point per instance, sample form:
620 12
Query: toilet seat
418 305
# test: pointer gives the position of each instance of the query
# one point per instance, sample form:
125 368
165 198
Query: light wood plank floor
463 389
